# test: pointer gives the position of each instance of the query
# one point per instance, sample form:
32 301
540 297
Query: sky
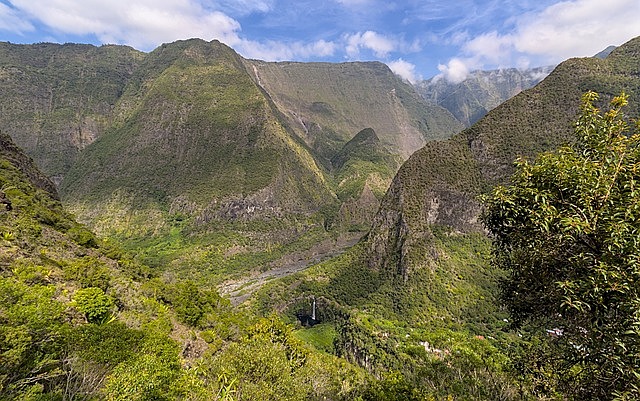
416 39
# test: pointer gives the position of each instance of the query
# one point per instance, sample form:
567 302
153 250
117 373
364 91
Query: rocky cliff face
481 91
325 103
57 99
440 183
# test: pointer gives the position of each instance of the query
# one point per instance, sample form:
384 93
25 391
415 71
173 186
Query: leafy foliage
567 231
96 306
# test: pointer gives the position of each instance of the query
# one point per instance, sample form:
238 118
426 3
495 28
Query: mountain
605 52
57 99
191 141
363 170
439 184
326 103
480 91
194 134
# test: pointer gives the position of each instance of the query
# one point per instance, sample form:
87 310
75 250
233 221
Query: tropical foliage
567 231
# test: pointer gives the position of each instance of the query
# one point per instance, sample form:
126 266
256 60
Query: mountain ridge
430 191
481 91
370 96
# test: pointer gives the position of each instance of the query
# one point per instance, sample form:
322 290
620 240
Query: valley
239 290
271 230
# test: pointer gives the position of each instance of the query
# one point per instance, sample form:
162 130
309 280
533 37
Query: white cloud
405 70
143 24
10 20
379 44
574 28
456 70
491 47
279 51
578 28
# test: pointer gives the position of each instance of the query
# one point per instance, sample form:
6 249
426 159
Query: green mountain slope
57 99
79 319
326 103
363 170
430 191
193 127
198 170
419 295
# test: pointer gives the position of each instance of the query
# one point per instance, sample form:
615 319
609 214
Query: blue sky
417 39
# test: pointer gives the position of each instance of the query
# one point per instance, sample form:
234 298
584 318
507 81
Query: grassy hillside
326 103
80 319
194 116
362 172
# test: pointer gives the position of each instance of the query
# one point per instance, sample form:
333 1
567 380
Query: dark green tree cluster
567 231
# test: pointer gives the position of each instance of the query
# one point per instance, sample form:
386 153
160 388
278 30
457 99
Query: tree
94 303
567 231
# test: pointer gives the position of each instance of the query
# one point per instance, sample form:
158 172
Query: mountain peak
604 53
481 91
365 137
365 145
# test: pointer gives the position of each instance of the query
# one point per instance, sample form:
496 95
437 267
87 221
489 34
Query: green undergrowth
453 284
81 319
439 332
232 249
320 336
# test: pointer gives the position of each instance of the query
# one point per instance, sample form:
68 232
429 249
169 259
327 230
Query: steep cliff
325 103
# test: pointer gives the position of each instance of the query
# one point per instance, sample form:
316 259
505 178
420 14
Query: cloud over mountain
438 36
574 28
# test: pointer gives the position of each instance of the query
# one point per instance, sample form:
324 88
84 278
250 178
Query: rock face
325 103
440 183
481 91
57 99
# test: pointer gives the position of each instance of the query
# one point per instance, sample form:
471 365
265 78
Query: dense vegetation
70 302
81 320
566 230
198 180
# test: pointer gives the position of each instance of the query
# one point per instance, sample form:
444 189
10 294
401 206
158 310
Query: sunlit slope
195 135
326 103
